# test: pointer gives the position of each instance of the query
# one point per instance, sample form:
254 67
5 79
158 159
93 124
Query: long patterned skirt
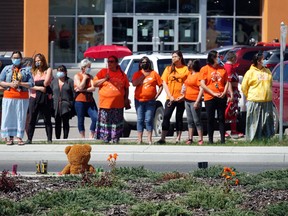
259 120
110 125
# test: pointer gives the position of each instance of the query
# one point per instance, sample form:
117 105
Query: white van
129 65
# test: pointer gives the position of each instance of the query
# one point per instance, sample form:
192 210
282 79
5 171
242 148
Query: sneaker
28 141
160 142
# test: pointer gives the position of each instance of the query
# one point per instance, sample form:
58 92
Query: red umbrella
104 51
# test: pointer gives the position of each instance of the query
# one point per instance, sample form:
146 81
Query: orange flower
109 157
228 177
227 169
236 181
115 155
233 173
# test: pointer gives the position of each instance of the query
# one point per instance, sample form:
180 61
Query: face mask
37 64
16 61
264 63
145 66
60 74
87 70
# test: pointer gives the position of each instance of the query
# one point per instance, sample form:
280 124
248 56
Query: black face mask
145 66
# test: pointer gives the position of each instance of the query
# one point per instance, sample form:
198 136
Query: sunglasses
111 61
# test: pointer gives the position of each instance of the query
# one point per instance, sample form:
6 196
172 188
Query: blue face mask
60 74
88 70
16 61
37 64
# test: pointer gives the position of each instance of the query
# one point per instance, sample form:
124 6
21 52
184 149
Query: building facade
142 25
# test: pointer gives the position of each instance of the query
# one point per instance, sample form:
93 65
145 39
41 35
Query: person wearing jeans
146 81
214 81
86 109
84 102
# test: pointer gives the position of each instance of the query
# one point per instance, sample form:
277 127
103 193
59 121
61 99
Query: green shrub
211 172
178 185
211 198
279 209
7 207
158 209
130 173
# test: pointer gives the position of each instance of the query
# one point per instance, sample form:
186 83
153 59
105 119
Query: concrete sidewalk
146 153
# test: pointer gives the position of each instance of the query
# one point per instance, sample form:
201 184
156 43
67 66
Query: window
90 30
62 34
122 6
189 6
248 8
162 64
91 7
133 68
246 29
56 7
124 64
219 32
188 29
156 6
220 7
122 29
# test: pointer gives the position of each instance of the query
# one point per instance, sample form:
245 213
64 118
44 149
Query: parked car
4 61
129 65
244 56
272 58
159 61
276 95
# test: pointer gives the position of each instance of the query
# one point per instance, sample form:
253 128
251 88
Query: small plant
112 161
7 184
230 178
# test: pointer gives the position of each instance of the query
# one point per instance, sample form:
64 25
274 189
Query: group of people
185 86
30 90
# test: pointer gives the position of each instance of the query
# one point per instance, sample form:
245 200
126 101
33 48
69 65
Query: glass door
154 34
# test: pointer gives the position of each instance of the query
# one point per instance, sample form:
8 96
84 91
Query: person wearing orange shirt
84 102
193 92
16 80
173 78
113 97
146 80
214 81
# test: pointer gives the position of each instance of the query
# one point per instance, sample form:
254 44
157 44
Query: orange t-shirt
192 84
175 79
147 90
112 92
84 96
215 79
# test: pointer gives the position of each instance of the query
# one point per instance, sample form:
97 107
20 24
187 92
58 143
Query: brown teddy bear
78 157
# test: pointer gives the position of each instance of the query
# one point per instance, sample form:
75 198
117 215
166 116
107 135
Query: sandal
200 142
20 142
189 141
10 142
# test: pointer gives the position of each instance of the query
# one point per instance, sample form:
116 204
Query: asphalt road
28 166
